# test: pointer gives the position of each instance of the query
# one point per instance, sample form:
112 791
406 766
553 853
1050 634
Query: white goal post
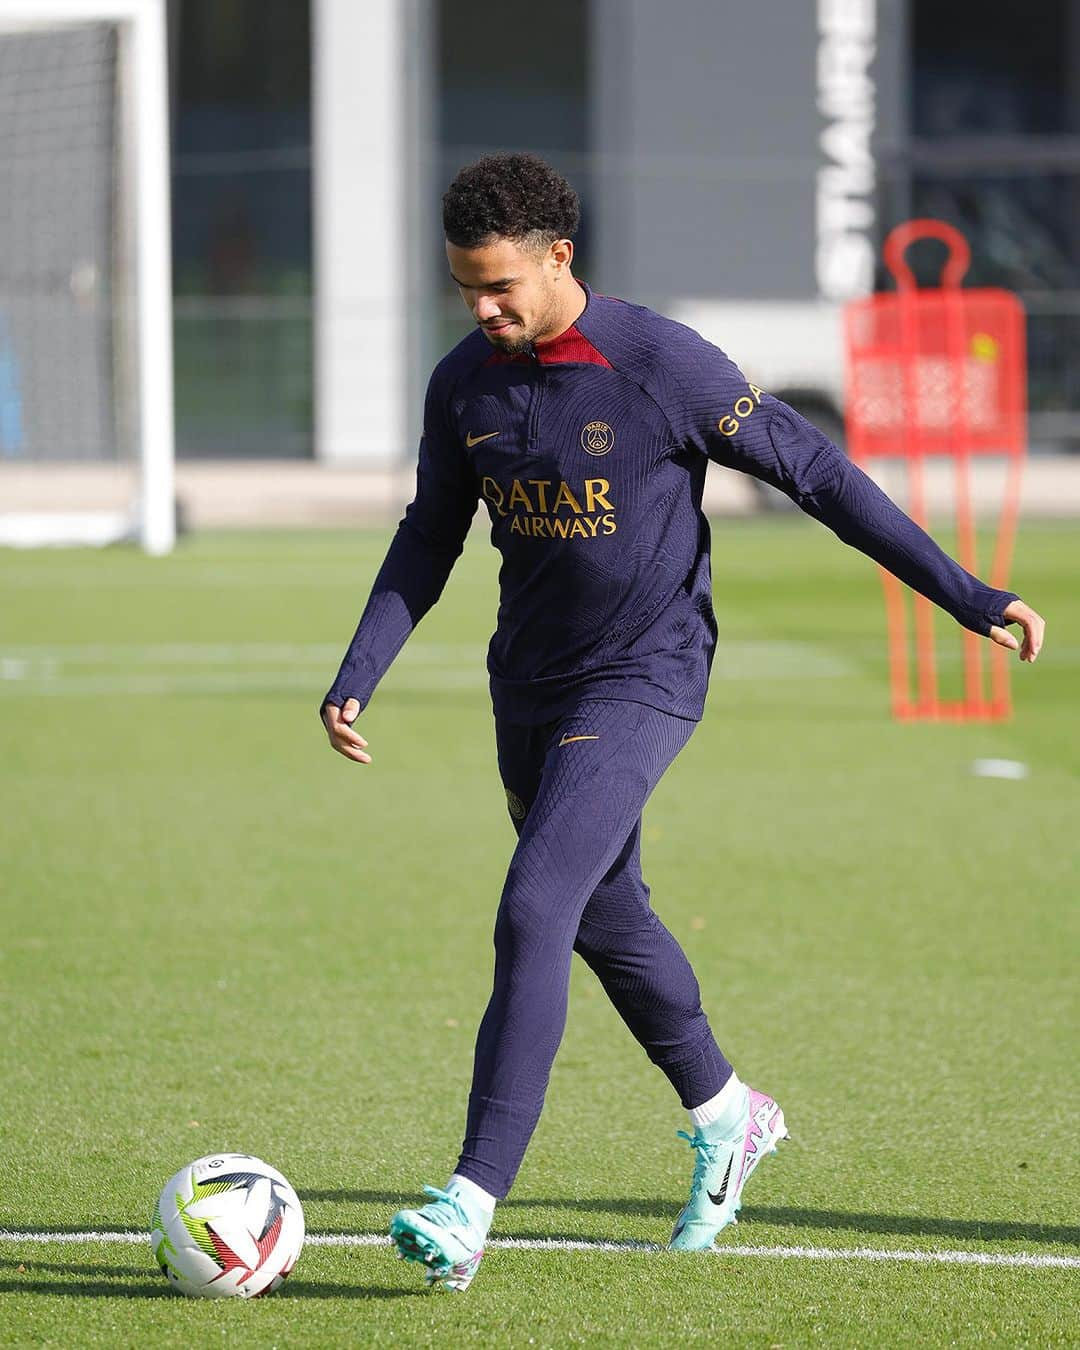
117 377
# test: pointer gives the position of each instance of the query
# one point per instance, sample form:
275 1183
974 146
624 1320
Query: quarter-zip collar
569 346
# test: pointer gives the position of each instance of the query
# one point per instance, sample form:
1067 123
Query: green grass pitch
219 935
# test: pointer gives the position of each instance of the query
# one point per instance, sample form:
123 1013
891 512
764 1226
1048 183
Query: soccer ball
227 1226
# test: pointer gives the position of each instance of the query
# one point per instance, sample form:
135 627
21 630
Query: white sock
477 1197
725 1110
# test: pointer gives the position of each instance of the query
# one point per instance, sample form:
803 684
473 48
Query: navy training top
590 455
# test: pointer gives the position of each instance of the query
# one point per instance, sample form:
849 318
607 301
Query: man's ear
560 256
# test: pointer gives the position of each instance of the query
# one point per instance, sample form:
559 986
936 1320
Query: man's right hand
338 723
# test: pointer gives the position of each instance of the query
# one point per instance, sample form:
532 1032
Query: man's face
512 290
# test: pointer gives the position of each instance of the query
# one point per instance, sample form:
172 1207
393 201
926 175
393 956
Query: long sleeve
738 425
422 553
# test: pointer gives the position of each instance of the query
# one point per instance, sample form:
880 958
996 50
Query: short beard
509 346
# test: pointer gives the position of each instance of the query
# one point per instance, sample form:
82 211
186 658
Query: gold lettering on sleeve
744 405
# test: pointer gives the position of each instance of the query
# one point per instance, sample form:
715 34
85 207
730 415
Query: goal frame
145 158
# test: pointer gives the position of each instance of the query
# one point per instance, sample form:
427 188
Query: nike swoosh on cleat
569 740
471 440
718 1198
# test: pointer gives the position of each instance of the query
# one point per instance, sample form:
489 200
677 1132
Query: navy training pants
576 789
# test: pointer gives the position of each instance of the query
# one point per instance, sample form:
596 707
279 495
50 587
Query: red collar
571 346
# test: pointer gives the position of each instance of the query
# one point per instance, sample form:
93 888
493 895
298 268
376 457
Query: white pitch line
255 683
948 1257
126 654
161 669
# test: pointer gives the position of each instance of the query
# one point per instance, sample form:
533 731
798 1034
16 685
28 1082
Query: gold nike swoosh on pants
569 740
471 440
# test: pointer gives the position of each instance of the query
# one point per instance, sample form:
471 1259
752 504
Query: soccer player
585 425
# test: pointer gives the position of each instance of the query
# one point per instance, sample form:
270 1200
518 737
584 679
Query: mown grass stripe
947 1257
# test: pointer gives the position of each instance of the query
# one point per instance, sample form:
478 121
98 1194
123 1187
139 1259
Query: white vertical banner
847 178
147 115
361 234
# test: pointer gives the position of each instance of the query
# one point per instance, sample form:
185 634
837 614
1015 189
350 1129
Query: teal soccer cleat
721 1170
445 1236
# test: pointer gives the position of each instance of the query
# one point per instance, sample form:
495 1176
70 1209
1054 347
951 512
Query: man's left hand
1034 627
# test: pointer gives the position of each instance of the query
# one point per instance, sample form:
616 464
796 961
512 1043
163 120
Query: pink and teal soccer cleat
445 1236
721 1170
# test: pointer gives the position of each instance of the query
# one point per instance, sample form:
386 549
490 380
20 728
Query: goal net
86 420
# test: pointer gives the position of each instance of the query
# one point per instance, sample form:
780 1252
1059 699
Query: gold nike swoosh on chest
569 740
471 440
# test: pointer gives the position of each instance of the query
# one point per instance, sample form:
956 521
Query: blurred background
739 166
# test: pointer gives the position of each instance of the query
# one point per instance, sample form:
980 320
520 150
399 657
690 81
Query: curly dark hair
512 196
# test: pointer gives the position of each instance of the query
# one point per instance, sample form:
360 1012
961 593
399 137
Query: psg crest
597 438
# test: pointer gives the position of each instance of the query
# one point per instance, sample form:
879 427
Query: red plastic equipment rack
940 373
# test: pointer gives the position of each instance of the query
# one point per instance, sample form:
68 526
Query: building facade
739 166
